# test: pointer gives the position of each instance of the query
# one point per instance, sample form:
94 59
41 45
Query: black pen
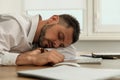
103 56
42 50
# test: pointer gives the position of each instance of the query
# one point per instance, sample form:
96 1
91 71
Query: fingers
40 57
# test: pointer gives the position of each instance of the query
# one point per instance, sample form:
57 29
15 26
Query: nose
57 43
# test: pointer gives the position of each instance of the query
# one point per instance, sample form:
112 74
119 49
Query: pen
42 50
99 56
103 56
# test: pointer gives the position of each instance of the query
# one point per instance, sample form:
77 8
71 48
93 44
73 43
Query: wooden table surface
10 72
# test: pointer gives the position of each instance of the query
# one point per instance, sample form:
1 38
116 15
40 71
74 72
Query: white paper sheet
72 73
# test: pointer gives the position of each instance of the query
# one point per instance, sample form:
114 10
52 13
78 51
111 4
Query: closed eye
61 36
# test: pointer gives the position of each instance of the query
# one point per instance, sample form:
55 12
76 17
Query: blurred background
99 19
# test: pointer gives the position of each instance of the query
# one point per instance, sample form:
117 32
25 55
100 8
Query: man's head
59 31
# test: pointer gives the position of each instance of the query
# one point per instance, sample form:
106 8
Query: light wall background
11 6
16 6
98 46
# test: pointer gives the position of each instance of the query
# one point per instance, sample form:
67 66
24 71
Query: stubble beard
42 35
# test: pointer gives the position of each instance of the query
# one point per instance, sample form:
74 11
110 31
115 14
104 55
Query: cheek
51 35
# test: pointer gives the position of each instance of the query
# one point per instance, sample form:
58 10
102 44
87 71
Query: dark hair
70 21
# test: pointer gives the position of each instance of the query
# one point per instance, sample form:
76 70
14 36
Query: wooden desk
10 72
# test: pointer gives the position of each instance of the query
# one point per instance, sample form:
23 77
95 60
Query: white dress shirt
16 36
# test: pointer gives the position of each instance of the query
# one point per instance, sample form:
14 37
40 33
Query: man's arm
35 57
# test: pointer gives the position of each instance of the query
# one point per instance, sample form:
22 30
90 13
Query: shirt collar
34 24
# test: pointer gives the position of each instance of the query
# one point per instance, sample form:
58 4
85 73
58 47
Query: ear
53 20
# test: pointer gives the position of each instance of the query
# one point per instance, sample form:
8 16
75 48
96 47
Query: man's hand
39 57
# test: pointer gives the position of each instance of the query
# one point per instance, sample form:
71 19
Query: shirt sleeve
8 40
8 58
69 52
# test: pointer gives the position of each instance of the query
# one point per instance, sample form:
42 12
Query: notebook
85 60
89 61
70 73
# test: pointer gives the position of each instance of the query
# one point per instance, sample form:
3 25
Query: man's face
54 36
